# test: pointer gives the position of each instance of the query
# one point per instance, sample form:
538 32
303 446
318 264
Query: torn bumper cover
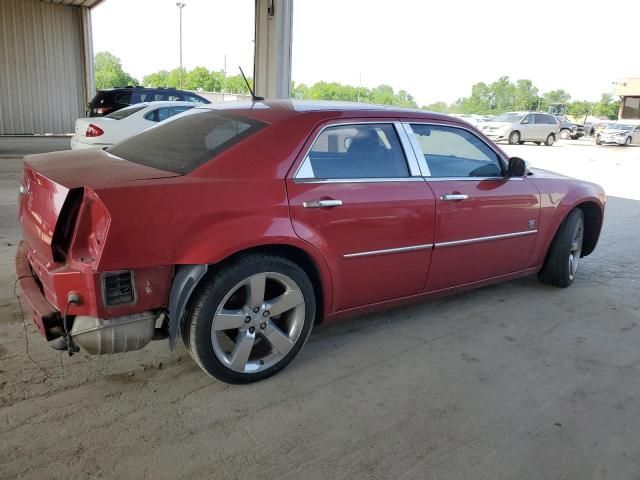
94 335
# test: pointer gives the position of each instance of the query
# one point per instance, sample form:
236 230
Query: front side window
370 150
509 117
454 152
527 120
184 143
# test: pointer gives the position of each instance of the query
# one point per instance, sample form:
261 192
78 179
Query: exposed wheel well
592 226
294 254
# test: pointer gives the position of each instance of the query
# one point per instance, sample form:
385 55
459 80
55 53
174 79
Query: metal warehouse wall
44 49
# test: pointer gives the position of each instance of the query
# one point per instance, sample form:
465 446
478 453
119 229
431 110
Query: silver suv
520 127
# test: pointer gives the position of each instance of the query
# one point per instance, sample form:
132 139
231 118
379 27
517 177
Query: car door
528 128
486 223
359 198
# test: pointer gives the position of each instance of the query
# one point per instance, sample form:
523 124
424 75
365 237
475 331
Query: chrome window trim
393 122
360 180
484 239
417 150
420 154
473 179
388 251
409 152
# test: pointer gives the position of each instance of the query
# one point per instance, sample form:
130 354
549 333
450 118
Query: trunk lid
48 179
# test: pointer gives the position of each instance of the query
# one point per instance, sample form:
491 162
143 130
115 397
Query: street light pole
180 5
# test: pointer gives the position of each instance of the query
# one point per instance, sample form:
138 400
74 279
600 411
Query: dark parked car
237 227
113 99
569 129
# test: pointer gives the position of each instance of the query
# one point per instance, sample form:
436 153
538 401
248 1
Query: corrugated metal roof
76 3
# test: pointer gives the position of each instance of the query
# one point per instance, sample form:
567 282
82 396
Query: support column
272 57
87 56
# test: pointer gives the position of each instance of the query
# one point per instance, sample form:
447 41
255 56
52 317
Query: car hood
495 125
541 173
95 169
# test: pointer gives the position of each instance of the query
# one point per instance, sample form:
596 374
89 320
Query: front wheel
550 139
627 142
514 138
561 264
565 134
598 141
250 319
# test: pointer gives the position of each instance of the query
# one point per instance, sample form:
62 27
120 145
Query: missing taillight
118 289
65 226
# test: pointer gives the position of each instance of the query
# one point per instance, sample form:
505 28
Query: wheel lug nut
261 362
247 319
266 313
252 329
256 310
263 326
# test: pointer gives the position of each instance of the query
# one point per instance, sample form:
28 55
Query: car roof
278 109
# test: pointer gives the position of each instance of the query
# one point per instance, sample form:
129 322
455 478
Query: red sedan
239 226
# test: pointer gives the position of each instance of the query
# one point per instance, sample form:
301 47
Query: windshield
185 142
509 117
620 126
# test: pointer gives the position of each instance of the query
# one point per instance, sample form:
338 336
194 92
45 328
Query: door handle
453 197
322 203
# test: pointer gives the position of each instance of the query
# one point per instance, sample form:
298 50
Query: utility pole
359 85
180 6
224 87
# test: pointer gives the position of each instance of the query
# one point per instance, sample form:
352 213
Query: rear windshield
125 112
187 141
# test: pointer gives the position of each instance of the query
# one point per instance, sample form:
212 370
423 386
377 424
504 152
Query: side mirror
524 121
517 167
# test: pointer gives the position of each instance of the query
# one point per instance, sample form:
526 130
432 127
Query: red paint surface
146 220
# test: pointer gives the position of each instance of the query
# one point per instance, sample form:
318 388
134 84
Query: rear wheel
562 260
514 138
565 134
550 140
251 319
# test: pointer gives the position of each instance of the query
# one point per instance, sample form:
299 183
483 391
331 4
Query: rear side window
124 98
163 113
183 144
355 151
125 112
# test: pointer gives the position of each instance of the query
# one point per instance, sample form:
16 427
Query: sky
436 50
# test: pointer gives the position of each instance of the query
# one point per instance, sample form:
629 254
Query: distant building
629 90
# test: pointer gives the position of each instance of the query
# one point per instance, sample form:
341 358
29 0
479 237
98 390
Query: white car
103 132
620 133
520 127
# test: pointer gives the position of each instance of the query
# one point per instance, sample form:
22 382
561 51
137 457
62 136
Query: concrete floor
515 381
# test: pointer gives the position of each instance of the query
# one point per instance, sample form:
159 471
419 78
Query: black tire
565 134
598 141
197 327
514 138
627 142
550 140
557 267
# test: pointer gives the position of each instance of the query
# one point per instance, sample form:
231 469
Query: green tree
579 108
607 107
440 107
236 84
109 73
555 96
157 79
526 95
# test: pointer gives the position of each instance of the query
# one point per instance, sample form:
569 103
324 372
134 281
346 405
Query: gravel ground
517 380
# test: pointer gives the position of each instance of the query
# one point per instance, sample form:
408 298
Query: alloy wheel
258 322
576 249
